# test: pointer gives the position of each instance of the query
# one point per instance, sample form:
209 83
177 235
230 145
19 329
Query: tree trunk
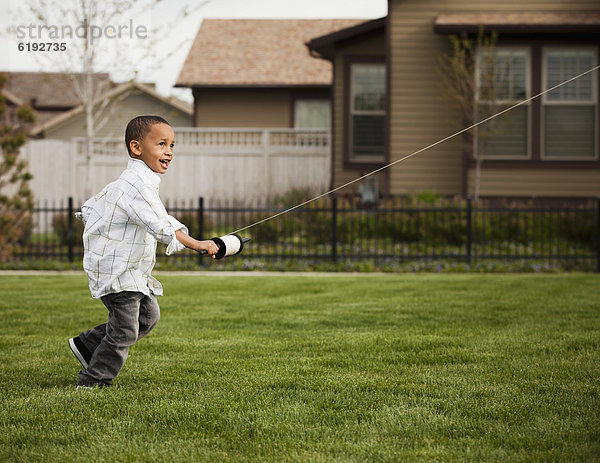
89 148
477 177
89 118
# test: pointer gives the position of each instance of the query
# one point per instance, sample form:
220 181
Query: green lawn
478 368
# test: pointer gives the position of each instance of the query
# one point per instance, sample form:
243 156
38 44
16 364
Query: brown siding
249 108
419 115
119 114
372 44
547 182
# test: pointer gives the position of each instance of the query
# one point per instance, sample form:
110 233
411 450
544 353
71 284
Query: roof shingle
50 89
263 52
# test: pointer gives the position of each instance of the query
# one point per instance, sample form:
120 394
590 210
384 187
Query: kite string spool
229 245
232 244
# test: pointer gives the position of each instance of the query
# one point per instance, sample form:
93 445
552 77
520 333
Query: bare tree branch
96 51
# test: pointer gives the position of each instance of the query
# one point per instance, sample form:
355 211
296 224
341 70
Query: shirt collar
147 174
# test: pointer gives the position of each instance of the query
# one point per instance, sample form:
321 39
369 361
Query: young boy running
122 226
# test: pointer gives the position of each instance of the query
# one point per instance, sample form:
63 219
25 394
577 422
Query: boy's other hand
209 246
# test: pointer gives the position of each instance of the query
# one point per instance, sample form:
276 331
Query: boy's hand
209 246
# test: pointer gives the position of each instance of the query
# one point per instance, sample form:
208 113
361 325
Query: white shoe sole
77 353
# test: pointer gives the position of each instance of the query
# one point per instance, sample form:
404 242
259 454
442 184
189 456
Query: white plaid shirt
122 224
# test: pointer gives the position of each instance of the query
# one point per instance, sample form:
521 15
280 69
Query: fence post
200 235
334 229
469 227
266 146
70 231
598 234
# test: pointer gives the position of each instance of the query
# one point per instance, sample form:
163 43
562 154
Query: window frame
505 102
544 101
351 161
536 46
324 101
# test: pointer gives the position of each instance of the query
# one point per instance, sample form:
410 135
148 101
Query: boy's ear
135 148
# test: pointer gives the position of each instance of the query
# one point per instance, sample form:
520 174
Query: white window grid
576 102
357 112
505 51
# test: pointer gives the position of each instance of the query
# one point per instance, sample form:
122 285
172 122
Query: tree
94 33
469 75
16 201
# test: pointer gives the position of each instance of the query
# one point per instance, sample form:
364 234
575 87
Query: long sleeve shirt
122 226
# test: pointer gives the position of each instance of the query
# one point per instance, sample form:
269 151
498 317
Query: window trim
545 101
326 101
349 160
528 155
536 46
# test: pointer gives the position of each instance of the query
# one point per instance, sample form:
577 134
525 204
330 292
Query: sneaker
83 355
91 387
84 388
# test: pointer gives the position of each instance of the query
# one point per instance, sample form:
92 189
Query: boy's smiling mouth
165 163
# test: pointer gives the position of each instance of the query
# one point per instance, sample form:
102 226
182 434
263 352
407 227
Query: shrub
190 220
60 224
577 228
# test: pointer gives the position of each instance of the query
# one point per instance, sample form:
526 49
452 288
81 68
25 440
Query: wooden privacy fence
217 164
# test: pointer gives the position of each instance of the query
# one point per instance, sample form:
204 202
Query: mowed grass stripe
343 368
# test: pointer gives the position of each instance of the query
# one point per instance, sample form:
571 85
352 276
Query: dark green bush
60 224
25 232
577 228
190 220
423 218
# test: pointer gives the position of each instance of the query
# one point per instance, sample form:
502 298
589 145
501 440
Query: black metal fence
334 229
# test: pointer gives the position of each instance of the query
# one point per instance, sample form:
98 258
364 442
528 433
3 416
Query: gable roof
49 89
49 93
258 52
324 45
113 93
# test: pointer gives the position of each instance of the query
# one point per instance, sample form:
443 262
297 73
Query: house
60 114
259 74
50 93
120 104
388 103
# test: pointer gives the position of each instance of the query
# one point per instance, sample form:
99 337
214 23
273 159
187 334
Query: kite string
387 166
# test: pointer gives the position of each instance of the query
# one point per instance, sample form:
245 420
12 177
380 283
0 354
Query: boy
122 225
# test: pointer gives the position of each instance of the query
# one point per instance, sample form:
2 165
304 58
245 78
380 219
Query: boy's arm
209 246
147 211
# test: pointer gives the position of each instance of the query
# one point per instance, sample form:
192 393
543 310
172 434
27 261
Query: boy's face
156 148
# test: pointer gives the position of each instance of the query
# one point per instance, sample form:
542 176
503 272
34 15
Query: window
312 114
502 81
570 111
562 125
367 112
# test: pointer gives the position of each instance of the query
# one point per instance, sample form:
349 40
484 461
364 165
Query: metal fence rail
334 229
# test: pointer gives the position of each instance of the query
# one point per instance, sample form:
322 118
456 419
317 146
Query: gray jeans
131 316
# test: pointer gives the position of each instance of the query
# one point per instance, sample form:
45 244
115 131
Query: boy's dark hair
138 128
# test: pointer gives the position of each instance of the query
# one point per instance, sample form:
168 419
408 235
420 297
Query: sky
175 32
